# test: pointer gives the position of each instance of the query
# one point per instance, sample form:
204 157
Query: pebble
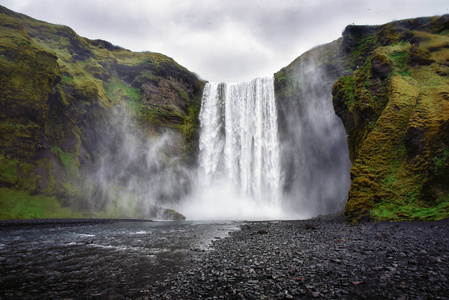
321 258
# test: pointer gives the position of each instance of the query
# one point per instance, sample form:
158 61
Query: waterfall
239 172
265 159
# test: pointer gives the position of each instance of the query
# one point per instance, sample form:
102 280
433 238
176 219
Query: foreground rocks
319 258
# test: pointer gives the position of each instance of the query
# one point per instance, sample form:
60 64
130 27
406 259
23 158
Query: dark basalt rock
380 66
414 140
334 261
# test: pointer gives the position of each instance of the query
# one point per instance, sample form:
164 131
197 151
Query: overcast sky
232 40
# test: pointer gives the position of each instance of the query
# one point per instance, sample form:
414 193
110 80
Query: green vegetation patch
348 87
20 205
8 170
412 210
70 161
117 90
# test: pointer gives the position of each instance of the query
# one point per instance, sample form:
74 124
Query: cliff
391 92
314 158
395 108
68 107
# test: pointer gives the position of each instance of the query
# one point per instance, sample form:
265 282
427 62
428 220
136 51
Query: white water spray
239 174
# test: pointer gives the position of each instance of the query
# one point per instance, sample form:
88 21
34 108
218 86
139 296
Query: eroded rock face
380 67
394 111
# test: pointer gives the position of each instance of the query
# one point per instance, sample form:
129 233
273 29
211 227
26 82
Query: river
103 261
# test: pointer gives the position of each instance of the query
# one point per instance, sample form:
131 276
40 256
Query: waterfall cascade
239 160
251 169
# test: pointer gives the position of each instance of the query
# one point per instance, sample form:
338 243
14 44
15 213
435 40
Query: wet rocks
406 260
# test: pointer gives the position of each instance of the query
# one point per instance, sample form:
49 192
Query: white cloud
230 40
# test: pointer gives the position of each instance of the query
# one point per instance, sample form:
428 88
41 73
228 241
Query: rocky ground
319 258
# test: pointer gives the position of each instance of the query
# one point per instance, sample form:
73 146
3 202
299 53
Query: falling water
239 162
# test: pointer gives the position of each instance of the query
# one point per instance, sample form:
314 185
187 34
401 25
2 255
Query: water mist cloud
315 156
140 173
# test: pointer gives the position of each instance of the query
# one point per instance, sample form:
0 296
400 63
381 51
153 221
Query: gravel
321 258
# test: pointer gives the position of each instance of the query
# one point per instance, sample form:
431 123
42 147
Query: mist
260 157
315 159
140 172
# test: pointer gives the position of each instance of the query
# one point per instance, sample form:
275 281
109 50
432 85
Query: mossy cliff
395 108
63 101
392 93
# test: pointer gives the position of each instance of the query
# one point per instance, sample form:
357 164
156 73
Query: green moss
117 90
363 48
28 178
69 161
411 210
8 170
71 164
67 79
281 78
20 205
348 87
441 161
399 56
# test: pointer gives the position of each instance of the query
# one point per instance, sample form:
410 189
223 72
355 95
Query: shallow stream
101 261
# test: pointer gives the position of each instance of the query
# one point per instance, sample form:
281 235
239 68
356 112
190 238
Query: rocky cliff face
68 107
391 92
395 109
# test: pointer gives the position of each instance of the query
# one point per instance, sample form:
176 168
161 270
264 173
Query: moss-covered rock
395 111
390 89
59 98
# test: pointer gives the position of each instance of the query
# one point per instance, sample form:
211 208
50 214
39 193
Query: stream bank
321 258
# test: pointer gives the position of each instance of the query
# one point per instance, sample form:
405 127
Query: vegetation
58 93
393 109
20 205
